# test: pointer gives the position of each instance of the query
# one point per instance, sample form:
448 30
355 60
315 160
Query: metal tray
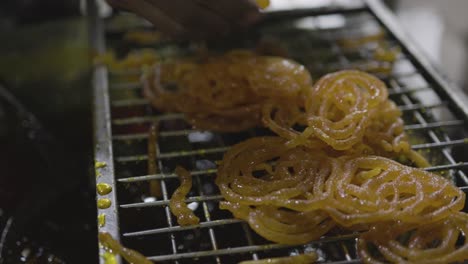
435 114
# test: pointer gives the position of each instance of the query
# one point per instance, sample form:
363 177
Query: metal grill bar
435 125
130 102
150 119
103 150
178 154
205 198
184 228
459 165
166 209
436 141
177 133
137 85
165 176
146 119
142 101
441 144
247 249
206 212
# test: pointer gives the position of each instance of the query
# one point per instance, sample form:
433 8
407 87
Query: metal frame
103 152
105 140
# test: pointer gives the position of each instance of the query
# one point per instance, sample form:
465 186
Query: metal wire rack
434 112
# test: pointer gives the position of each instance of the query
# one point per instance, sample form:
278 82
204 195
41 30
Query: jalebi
275 187
340 107
350 112
225 93
444 241
280 225
264 171
177 204
115 247
374 189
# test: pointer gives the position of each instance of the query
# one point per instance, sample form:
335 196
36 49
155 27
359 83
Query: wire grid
146 223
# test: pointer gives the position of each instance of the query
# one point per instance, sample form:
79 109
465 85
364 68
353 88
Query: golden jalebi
177 204
275 188
374 189
115 247
329 165
264 171
442 242
280 225
338 110
225 93
350 112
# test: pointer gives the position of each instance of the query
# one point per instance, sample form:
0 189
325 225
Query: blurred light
149 199
196 137
291 4
193 206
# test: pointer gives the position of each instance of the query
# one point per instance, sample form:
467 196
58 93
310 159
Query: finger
196 19
152 13
241 12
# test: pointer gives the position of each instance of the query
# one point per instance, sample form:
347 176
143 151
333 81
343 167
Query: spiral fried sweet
225 93
282 226
386 137
275 188
264 171
349 112
444 241
374 189
341 106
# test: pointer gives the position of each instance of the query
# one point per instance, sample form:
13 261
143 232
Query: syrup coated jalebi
177 204
442 242
327 168
264 171
115 247
225 93
282 226
275 188
338 108
350 112
374 189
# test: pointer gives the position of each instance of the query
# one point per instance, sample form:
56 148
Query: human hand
194 18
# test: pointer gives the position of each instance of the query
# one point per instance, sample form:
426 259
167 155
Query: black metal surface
435 121
32 188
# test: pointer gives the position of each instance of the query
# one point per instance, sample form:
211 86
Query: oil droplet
263 3
101 220
100 164
103 188
109 258
103 203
